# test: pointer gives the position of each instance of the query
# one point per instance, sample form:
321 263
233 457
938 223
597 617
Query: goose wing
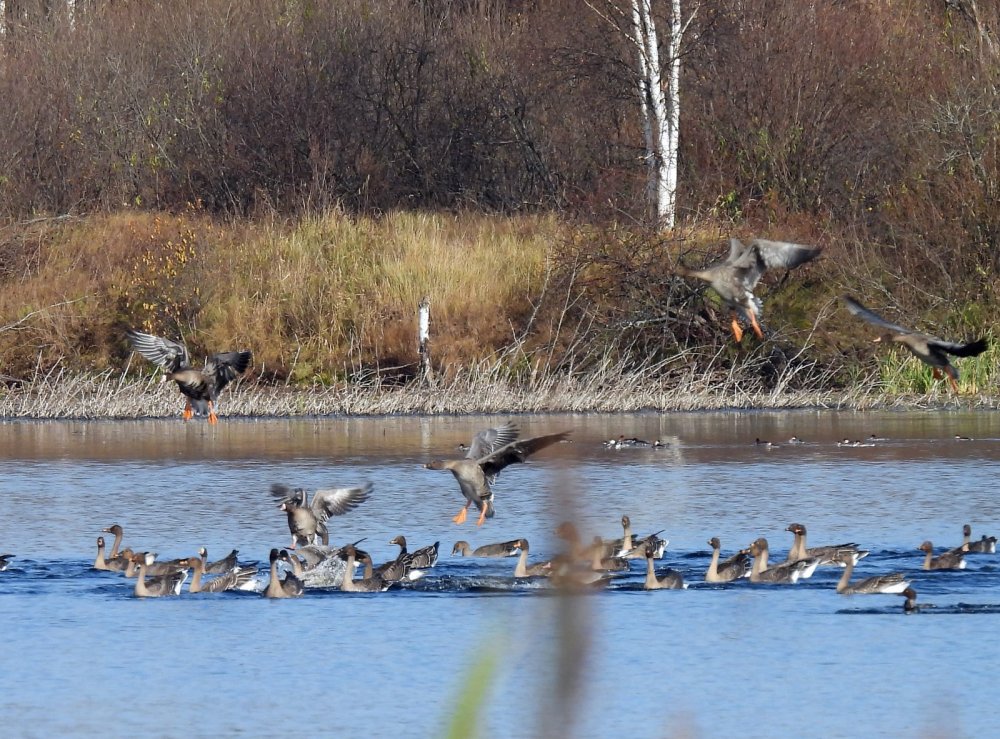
874 318
224 367
286 494
762 254
163 352
488 441
338 501
517 451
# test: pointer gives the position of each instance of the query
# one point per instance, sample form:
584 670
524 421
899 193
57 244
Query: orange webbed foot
737 331
482 517
462 515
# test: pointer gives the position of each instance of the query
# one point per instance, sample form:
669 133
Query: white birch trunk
423 339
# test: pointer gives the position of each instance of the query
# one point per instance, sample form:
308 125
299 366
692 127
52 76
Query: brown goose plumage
200 387
731 569
951 560
288 586
307 518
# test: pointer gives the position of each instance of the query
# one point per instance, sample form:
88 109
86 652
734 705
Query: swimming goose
231 579
836 554
475 476
733 568
600 563
200 387
307 519
287 587
521 569
894 582
631 547
985 545
370 584
5 561
926 348
787 573
152 586
569 574
422 559
735 278
671 580
953 560
116 564
219 566
503 549
118 533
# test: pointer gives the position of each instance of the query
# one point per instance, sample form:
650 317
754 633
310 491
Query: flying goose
735 278
503 549
156 585
475 475
307 519
836 554
671 580
787 573
894 582
200 387
231 579
926 348
952 560
731 569
287 587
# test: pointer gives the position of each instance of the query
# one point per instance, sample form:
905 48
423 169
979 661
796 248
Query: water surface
82 656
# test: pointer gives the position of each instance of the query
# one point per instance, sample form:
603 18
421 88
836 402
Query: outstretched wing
784 254
286 494
225 367
488 441
971 349
166 353
518 451
873 318
338 501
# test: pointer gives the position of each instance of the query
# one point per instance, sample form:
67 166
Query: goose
503 549
489 440
200 387
735 278
568 574
307 519
928 349
476 475
370 584
985 545
953 560
147 586
118 532
287 587
231 579
5 561
600 563
219 566
836 554
672 580
421 559
733 568
787 573
894 583
631 547
115 564
521 569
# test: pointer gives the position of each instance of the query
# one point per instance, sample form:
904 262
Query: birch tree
658 87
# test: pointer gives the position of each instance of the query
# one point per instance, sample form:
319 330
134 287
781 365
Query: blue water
83 657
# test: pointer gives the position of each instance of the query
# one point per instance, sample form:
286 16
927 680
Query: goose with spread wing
200 387
735 278
475 475
307 519
928 349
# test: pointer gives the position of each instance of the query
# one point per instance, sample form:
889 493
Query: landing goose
200 387
287 587
928 349
735 278
307 518
787 573
476 475
503 549
952 560
734 568
894 583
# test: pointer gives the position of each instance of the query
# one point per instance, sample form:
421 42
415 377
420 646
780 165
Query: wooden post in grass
424 338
